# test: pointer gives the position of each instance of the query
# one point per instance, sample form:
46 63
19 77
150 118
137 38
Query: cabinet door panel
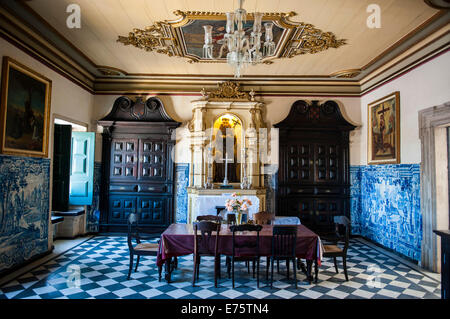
299 166
303 208
152 210
124 159
327 163
325 210
152 164
120 208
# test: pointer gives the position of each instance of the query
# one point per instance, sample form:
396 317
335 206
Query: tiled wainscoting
93 211
24 209
385 206
181 196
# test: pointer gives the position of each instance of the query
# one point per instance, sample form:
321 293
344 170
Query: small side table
445 262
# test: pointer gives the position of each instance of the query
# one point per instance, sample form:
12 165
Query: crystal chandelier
242 49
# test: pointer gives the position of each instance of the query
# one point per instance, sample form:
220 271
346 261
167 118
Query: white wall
425 86
68 99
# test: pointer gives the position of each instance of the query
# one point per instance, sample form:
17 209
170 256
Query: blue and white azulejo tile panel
270 183
385 206
355 198
181 196
93 211
24 208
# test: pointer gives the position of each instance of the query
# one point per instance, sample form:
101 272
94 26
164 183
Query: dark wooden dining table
178 240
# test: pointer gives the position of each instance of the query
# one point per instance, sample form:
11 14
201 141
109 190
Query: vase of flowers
238 206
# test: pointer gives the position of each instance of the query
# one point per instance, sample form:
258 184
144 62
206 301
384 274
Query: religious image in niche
383 135
227 135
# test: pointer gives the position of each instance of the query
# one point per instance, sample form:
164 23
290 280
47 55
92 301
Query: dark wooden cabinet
138 168
313 176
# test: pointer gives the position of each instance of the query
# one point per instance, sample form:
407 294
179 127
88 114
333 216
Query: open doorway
73 170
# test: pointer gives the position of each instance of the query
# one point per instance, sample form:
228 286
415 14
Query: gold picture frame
25 110
383 134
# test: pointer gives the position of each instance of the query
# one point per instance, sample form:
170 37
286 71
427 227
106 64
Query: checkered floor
102 265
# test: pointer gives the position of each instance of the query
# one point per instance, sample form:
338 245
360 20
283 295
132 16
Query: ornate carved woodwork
313 175
348 74
138 170
228 90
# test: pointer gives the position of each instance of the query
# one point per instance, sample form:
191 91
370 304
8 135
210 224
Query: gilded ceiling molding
308 39
347 74
110 71
157 37
228 90
174 38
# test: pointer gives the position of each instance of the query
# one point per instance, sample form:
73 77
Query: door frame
430 119
52 138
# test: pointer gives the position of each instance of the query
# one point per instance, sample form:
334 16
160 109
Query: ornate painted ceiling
353 49
185 38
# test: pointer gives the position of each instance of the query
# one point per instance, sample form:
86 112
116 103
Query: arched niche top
228 120
150 110
320 116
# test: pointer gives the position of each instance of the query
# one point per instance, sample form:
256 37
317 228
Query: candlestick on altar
225 180
209 161
244 183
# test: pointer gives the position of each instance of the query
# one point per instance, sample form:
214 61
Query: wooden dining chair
334 251
264 218
211 218
247 250
231 219
284 241
139 249
202 247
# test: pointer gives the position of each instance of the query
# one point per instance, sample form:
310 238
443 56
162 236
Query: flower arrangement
237 205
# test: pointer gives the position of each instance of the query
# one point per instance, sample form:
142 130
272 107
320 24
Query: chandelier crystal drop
242 49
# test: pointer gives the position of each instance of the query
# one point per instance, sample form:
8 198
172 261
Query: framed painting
383 136
25 110
194 36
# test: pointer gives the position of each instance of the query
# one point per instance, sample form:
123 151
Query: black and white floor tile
97 269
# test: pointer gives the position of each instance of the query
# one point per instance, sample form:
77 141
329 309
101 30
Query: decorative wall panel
270 183
93 211
181 195
355 199
24 209
385 206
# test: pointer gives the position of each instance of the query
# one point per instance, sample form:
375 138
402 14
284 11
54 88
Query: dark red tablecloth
178 240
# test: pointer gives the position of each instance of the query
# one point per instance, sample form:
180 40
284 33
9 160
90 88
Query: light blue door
82 168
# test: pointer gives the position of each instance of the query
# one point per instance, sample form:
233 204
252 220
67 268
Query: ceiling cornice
47 55
437 21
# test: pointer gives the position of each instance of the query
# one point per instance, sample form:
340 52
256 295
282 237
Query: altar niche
226 112
227 135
